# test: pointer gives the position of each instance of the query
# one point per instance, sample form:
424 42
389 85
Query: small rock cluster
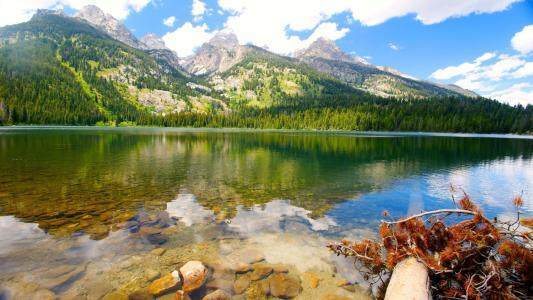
250 277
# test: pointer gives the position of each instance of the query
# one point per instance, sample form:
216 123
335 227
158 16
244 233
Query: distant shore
238 129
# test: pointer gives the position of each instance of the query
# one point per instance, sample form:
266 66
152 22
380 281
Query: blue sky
483 45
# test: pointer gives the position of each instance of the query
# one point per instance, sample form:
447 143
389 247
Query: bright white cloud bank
503 77
270 23
17 11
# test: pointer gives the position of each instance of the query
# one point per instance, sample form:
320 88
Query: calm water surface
82 209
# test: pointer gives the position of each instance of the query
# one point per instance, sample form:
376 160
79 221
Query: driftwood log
409 281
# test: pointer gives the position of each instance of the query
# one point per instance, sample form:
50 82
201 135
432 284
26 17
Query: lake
92 213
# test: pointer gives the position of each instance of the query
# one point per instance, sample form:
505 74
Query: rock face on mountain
152 41
156 47
105 22
327 49
218 55
324 56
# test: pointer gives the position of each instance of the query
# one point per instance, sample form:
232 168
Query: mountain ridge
57 69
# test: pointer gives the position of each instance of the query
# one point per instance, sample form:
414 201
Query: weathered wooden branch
433 212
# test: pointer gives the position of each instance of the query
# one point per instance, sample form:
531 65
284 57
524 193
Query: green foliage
369 113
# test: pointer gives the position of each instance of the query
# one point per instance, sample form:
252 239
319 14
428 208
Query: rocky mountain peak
395 72
324 48
327 49
217 55
152 41
107 23
225 39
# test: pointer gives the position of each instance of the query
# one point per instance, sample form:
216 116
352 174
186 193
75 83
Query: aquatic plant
468 255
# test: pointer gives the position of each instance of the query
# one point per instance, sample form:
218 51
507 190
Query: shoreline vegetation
465 254
451 115
132 125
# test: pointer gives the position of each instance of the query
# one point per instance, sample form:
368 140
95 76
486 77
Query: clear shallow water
66 195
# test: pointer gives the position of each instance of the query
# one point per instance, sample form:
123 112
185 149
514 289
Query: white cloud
394 47
187 38
523 41
498 76
520 93
524 71
169 21
13 12
374 12
494 78
270 23
485 57
198 10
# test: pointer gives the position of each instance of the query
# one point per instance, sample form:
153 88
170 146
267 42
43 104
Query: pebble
115 296
241 284
220 283
43 295
284 286
241 267
194 275
140 295
164 285
181 295
217 295
151 274
260 271
158 251
156 239
312 279
279 268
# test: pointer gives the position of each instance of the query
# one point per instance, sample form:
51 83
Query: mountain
324 56
152 41
56 69
217 55
55 63
96 17
327 49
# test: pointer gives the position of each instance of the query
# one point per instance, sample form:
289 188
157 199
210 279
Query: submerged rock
164 285
60 276
312 279
241 267
158 251
42 295
284 286
260 271
217 295
151 274
194 275
241 284
181 295
117 295
279 268
140 295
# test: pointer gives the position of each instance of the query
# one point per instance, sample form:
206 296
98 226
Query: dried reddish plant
468 255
